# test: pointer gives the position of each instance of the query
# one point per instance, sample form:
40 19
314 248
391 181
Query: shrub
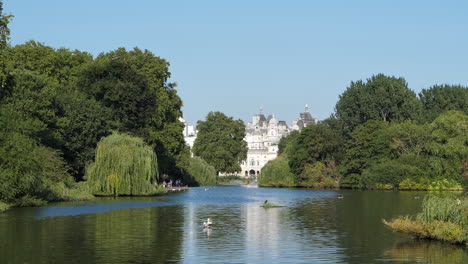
4 207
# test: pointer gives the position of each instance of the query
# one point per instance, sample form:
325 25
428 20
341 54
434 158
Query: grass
444 219
270 205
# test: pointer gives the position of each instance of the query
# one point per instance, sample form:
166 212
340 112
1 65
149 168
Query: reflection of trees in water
143 235
428 252
315 220
135 235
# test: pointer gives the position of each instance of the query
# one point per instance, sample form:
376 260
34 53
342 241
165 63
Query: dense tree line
381 136
57 104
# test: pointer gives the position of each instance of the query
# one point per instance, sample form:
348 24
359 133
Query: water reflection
143 235
427 252
313 227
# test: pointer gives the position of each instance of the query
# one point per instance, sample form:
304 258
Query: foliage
234 179
442 218
220 142
449 145
200 173
286 144
124 165
315 143
380 98
439 230
369 144
441 98
4 207
276 173
4 30
447 209
26 167
315 175
134 86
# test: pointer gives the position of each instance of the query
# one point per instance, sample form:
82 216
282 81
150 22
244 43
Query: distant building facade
190 134
262 135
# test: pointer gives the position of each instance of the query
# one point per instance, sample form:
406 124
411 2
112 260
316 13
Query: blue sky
235 56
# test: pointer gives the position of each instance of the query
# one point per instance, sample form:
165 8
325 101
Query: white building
190 133
262 136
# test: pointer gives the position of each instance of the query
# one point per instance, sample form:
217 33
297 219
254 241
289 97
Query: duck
207 224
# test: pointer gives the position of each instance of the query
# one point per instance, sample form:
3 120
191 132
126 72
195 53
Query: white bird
208 223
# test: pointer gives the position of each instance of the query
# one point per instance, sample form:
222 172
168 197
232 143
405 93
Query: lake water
315 226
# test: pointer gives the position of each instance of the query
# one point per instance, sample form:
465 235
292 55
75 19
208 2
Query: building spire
307 108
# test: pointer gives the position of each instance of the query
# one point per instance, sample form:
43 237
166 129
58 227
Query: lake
315 226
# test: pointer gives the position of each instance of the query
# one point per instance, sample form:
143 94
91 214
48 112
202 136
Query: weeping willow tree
124 165
200 173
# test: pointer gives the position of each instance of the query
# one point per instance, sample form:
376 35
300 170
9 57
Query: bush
30 201
390 172
4 207
76 192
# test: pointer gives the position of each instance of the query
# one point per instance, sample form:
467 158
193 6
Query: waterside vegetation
124 165
381 136
57 104
442 218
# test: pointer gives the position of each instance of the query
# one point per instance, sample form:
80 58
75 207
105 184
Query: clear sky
235 56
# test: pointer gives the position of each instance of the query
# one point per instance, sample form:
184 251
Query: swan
208 223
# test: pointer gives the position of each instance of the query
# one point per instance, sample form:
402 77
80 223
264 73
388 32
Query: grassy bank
444 219
233 178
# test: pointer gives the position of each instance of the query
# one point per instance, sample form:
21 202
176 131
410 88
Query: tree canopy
440 98
380 98
220 141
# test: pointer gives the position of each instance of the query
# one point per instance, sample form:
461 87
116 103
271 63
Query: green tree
200 173
124 165
83 122
370 143
449 145
27 168
276 173
440 98
315 143
4 30
220 141
286 144
134 86
60 66
380 98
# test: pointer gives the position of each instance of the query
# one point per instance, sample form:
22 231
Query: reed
441 218
124 165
